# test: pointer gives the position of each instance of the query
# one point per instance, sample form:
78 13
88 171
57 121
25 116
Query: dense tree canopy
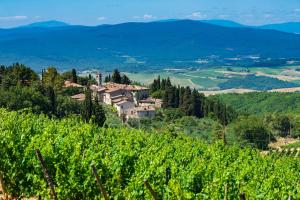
117 77
252 130
17 74
190 101
21 88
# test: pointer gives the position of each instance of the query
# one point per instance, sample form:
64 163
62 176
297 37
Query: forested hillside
262 102
256 83
176 166
136 46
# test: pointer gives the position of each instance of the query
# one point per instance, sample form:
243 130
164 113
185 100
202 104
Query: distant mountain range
289 27
47 24
225 23
136 46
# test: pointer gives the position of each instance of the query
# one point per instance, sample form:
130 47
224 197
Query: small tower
99 79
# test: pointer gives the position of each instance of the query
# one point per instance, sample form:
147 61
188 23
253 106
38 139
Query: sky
95 12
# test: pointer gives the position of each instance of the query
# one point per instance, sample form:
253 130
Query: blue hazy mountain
47 24
136 46
290 27
225 23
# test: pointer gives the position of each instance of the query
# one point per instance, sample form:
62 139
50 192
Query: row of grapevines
125 157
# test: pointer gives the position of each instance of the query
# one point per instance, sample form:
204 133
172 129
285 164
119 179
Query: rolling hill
47 24
288 27
137 46
225 23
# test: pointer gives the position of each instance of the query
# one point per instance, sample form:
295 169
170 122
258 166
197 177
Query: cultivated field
210 78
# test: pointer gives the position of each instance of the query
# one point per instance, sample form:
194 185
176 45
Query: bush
251 130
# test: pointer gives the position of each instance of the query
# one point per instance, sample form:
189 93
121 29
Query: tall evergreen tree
196 101
87 110
168 82
177 97
181 95
186 106
107 79
74 76
166 100
170 91
52 99
163 84
98 115
43 71
116 77
158 83
125 80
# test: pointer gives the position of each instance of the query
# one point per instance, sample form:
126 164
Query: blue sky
94 12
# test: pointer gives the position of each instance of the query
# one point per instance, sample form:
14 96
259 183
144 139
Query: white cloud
13 18
268 15
101 18
148 16
136 17
224 16
144 17
197 15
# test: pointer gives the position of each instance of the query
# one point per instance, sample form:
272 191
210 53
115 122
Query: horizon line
161 20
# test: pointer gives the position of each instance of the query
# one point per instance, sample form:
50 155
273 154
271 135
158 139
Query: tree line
190 101
116 77
23 88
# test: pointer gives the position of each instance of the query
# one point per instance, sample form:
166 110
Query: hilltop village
130 101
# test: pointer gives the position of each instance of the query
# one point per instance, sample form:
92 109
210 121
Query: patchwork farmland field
212 78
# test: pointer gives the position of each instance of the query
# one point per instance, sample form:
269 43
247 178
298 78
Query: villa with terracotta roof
78 97
131 101
141 112
157 103
68 84
123 107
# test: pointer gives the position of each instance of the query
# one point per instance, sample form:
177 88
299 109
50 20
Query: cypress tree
163 84
87 110
125 80
158 83
52 99
187 102
116 77
154 86
107 79
98 115
176 101
74 76
170 92
43 71
181 95
168 82
165 100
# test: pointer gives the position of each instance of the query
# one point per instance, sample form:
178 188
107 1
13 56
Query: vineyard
176 166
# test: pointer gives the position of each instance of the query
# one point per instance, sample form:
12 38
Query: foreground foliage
125 157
